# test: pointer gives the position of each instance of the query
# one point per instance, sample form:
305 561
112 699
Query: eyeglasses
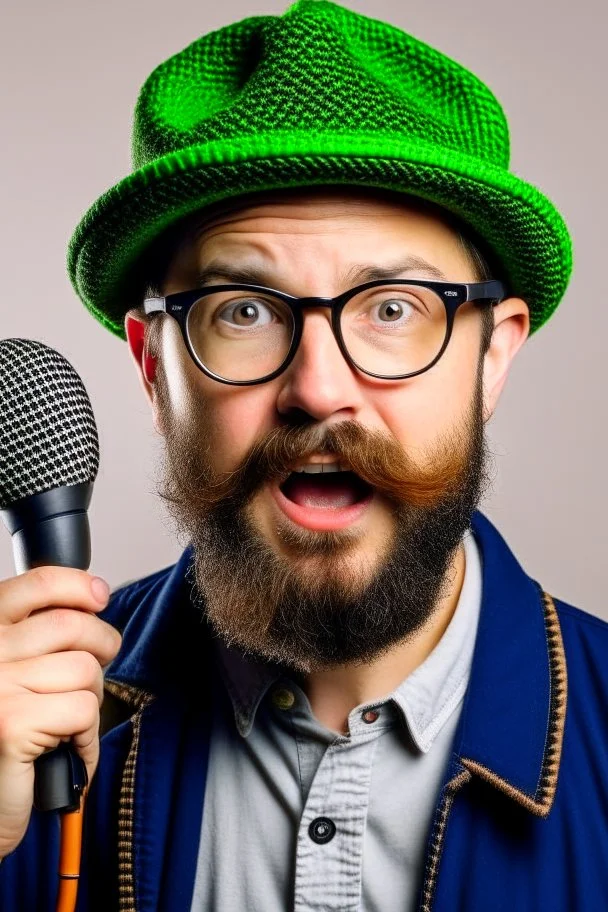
246 334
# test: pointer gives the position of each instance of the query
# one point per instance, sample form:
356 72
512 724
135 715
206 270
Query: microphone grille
48 435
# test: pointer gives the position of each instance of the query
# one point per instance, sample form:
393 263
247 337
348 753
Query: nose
319 381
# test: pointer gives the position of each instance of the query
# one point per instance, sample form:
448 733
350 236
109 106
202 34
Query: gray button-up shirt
299 817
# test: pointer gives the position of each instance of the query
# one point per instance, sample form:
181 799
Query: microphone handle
52 529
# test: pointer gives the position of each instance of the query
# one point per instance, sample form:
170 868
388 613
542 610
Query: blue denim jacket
521 821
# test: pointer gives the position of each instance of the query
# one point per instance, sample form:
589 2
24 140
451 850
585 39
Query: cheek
231 418
181 382
419 411
236 419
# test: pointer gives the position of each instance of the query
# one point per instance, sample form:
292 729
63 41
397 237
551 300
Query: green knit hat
317 96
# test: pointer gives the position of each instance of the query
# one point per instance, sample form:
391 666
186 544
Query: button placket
330 838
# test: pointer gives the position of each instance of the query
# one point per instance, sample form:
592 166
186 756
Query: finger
50 586
59 630
59 672
29 724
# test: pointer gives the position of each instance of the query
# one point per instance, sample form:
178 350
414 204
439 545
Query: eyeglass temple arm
493 290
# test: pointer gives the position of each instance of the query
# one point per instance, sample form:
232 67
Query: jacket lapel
162 675
511 726
512 723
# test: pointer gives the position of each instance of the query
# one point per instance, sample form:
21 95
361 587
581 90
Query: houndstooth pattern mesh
48 435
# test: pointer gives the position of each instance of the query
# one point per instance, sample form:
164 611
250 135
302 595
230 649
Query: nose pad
319 345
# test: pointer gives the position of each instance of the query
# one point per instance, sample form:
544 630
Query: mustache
378 459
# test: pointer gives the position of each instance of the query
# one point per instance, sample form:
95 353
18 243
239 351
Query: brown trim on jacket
540 803
124 701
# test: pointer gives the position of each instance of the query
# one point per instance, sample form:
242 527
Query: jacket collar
511 726
165 635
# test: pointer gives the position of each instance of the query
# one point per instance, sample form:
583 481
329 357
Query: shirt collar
247 680
425 699
431 693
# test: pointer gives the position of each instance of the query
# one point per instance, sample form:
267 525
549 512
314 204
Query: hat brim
519 225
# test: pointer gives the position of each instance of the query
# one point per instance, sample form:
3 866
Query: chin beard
322 604
329 609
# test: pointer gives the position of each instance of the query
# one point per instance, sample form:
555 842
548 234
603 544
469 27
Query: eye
393 310
246 313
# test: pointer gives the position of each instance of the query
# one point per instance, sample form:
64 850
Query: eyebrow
356 275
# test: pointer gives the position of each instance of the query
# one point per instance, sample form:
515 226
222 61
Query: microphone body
51 528
49 457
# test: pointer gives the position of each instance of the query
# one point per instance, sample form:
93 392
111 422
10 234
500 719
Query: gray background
70 73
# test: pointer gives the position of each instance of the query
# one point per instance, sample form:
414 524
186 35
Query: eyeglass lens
388 330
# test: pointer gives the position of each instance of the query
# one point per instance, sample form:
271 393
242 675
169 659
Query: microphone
49 457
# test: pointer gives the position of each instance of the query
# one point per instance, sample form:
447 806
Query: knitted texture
320 95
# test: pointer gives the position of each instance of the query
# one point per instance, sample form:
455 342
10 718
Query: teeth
317 468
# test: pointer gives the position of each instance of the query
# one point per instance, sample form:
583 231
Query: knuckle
44 578
86 667
66 620
115 640
109 638
88 707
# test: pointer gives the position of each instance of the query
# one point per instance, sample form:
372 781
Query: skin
313 244
53 648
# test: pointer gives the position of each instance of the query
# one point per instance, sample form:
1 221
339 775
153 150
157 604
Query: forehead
321 211
337 225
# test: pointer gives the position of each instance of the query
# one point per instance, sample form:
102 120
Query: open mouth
335 490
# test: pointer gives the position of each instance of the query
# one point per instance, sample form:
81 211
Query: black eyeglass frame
453 295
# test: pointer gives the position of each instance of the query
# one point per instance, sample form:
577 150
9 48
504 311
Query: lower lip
318 518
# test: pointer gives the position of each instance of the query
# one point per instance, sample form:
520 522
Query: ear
135 328
145 363
511 329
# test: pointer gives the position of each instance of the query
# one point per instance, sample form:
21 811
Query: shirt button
370 715
283 698
322 830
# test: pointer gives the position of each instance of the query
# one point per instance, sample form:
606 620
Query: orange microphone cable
60 784
69 857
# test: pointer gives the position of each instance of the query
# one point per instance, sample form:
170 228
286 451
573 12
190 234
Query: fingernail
100 590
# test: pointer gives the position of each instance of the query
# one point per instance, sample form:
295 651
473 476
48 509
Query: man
346 694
